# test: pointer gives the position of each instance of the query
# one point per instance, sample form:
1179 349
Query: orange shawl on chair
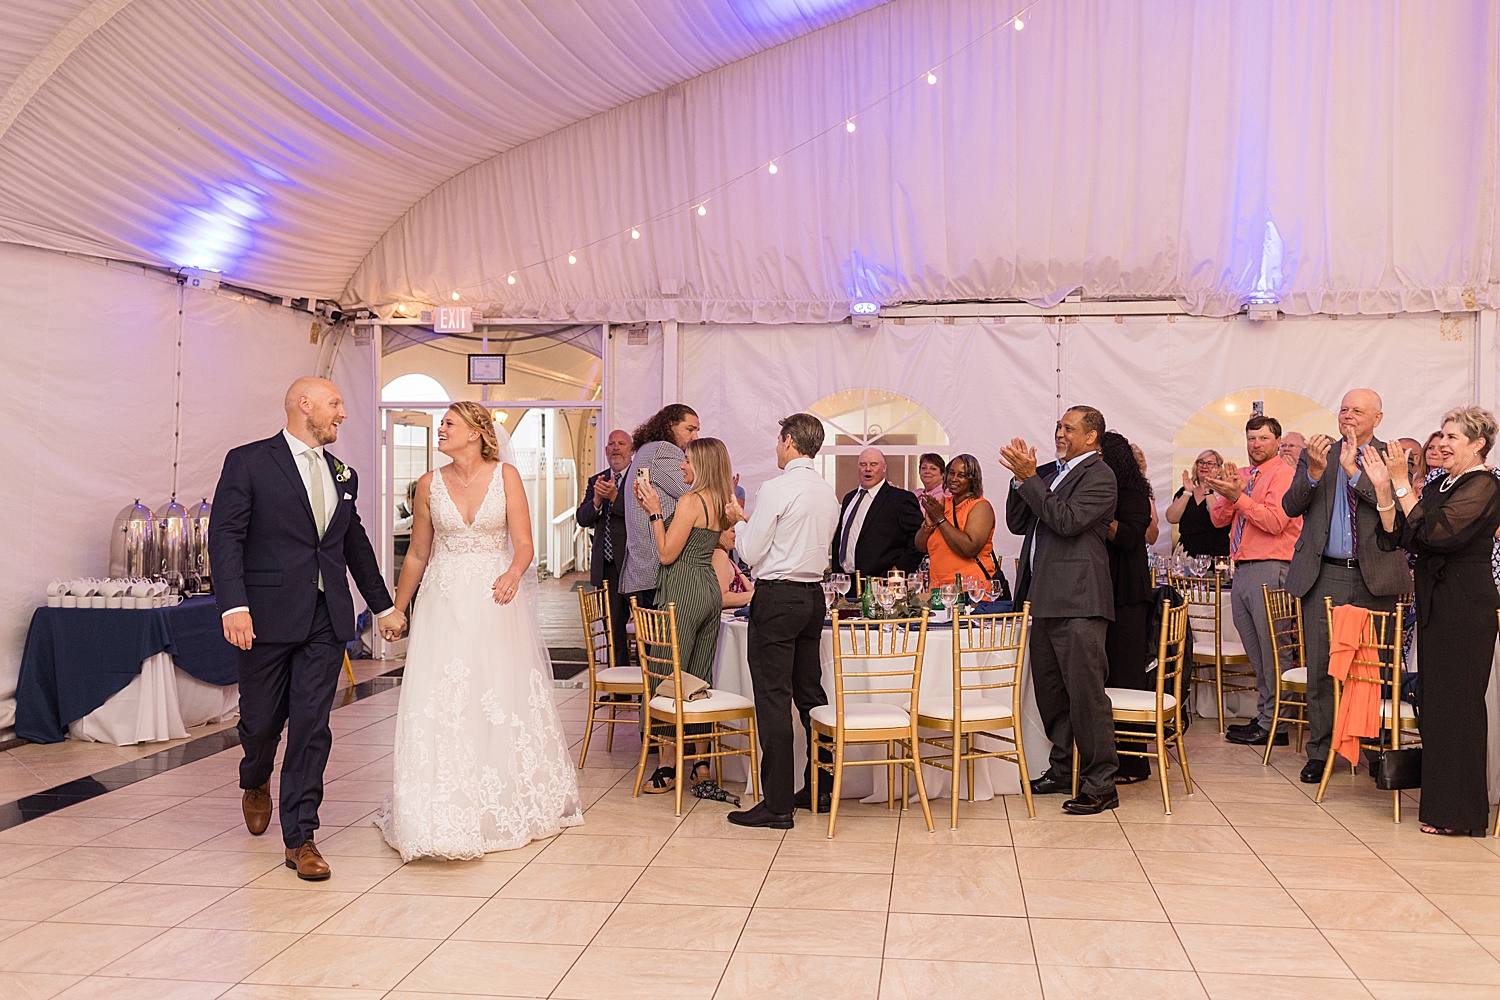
1359 707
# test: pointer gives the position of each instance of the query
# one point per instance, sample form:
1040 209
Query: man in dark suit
878 523
285 537
1064 509
1336 556
602 510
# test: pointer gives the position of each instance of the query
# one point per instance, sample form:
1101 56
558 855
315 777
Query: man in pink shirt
1261 540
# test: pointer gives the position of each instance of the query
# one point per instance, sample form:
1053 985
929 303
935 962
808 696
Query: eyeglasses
1208 463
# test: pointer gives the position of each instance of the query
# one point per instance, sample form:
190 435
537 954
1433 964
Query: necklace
461 482
1447 484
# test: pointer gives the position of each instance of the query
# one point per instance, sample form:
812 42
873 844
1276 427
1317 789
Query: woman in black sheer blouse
1451 531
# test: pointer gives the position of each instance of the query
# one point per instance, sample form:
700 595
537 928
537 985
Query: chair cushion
1130 700
975 707
862 715
619 675
1203 646
1407 712
1296 675
717 701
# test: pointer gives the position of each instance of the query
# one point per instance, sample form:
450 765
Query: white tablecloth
991 777
163 703
1237 704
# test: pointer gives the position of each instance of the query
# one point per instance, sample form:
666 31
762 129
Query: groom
285 535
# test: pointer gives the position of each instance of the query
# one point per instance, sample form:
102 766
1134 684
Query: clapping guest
1127 641
1451 530
1189 509
930 469
1292 445
660 445
956 532
602 510
877 523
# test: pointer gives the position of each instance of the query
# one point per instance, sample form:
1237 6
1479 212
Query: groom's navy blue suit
266 555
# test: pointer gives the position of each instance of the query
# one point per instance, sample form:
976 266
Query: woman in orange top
956 532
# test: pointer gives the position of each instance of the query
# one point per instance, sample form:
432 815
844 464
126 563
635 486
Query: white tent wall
1130 150
989 381
88 387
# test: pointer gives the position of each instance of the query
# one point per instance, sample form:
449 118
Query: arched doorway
856 419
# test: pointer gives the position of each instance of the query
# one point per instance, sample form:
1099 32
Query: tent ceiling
278 140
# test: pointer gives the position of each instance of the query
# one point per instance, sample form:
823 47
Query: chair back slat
892 647
657 647
1288 643
1205 609
594 606
1171 653
995 647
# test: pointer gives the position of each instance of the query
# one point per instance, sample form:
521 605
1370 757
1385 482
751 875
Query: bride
481 763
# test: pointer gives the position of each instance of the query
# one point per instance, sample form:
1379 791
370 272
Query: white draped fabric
163 703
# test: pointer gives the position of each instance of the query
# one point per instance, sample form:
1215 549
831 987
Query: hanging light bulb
1020 24
455 296
635 234
849 125
510 279
702 209
771 167
572 259
931 77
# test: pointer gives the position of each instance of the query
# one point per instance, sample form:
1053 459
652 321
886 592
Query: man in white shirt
786 543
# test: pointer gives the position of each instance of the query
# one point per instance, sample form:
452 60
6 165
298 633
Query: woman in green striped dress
685 544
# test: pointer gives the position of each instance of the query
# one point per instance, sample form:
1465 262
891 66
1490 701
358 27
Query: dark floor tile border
82 789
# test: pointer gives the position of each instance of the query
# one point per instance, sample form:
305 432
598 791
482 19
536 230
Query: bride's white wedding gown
481 763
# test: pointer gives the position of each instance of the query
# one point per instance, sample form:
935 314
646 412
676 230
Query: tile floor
1248 890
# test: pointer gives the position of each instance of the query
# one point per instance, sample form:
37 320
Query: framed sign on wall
486 369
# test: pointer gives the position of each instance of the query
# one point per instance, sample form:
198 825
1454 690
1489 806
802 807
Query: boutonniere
341 472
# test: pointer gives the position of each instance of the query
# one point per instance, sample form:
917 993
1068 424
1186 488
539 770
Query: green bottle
867 600
958 582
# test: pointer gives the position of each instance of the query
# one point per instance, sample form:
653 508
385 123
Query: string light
572 259
1020 24
635 234
455 296
702 209
849 125
931 77
510 279
771 167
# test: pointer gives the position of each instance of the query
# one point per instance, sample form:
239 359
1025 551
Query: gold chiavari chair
985 702
605 678
873 659
1382 633
1204 596
1288 662
1161 708
661 661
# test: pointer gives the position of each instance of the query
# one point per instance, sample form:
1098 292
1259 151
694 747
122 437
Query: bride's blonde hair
478 418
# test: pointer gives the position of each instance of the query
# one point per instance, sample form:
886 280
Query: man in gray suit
1064 509
1337 556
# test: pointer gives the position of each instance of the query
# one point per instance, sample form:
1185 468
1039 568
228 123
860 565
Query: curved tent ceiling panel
277 140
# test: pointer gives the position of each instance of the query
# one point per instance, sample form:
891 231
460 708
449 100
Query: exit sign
453 319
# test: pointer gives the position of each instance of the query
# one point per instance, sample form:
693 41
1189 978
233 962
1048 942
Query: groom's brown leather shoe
308 862
257 805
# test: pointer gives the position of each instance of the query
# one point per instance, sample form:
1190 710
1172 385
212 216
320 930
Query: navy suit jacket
611 511
264 548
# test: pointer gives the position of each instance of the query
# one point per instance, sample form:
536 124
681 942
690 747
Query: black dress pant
619 615
1127 643
290 684
786 627
1068 669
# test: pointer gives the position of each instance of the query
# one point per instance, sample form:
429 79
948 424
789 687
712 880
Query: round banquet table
991 777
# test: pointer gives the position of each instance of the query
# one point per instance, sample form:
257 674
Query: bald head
871 467
1359 415
314 410
617 450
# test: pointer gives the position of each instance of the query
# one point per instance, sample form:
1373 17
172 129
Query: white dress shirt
858 524
792 526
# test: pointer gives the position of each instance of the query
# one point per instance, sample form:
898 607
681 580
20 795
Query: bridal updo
478 418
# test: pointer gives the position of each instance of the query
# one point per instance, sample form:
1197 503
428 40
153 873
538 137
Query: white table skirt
163 703
991 777
1237 704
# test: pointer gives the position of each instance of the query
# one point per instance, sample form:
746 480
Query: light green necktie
319 508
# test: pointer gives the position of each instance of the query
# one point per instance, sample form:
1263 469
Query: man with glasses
1261 541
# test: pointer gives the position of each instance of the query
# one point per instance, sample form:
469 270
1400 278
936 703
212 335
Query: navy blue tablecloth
77 658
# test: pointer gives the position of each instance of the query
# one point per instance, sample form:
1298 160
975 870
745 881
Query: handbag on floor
1396 769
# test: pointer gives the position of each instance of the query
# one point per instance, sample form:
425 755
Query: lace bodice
462 552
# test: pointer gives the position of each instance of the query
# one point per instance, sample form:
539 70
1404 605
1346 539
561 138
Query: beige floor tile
995 896
70 949
671 927
602 850
240 840
600 883
90 864
1350 909
446 878
1184 839
1250 816
1060 982
1370 874
60 830
349 875
230 869
1137 806
403 915
630 973
1227 986
943 937
817 891
39 898
707 826
126 807
536 921
860 829
1448 877
1474 914
114 988
970 833
145 905
202 954
342 961
1240 949
509 968
1240 904
1429 958
1088 866
34 985
711 886
1069 836
1306 843
1384 990
707 852
858 933
835 856
914 979
1117 944
9 927
166 832
365 841
271 910
917 858
775 977
1080 900
1221 869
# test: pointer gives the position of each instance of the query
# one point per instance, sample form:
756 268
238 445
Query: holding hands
392 625
1019 458
1229 485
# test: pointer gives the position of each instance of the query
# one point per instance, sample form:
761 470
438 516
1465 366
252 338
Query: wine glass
948 594
996 589
977 589
840 583
885 596
830 594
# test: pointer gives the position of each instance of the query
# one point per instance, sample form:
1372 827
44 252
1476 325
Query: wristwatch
656 517
1402 491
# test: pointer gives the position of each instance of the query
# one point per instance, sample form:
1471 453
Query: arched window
856 419
414 388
